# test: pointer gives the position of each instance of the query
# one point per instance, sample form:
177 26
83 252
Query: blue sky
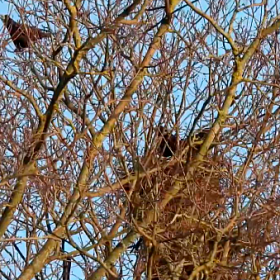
3 8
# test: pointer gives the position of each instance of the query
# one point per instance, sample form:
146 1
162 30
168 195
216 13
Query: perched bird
22 34
169 144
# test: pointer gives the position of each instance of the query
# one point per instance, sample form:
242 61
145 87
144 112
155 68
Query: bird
22 34
169 144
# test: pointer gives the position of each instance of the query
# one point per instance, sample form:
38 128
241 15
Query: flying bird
22 34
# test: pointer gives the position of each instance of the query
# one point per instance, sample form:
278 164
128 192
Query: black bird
22 34
168 144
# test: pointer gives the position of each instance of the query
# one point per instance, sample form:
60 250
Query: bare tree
140 141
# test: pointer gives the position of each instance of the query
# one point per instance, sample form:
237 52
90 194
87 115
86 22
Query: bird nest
178 231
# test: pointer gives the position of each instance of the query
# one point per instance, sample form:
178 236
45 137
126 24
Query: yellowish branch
215 25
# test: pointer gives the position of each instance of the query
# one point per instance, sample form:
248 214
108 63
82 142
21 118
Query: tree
85 190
